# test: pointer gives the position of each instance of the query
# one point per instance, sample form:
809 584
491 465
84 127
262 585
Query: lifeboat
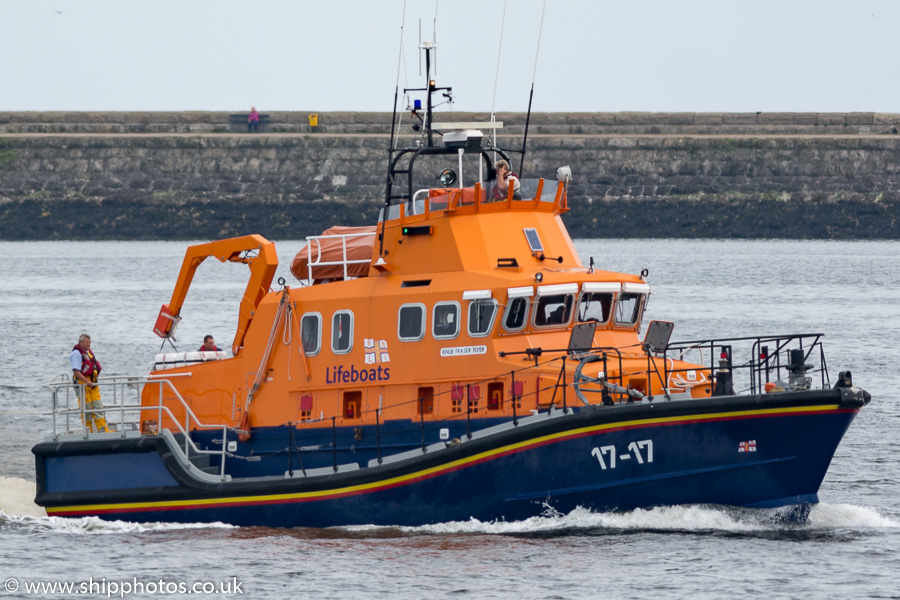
456 360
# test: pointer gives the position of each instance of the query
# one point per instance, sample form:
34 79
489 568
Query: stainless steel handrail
119 386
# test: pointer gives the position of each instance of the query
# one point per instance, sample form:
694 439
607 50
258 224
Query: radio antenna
531 93
497 75
434 35
393 132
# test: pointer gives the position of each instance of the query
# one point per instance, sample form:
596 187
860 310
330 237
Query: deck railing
780 360
344 262
777 359
121 398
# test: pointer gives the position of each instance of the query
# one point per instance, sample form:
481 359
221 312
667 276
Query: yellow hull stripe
394 481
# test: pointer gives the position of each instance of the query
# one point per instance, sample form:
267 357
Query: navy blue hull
757 452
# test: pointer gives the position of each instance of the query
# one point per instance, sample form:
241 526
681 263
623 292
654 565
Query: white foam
835 516
17 497
672 518
95 525
677 518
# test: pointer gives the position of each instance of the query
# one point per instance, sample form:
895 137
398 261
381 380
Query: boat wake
701 519
17 497
92 525
19 513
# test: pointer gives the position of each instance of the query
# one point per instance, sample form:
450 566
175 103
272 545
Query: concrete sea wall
187 176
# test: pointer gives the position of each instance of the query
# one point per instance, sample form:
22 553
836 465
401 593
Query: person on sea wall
85 372
253 120
209 344
505 178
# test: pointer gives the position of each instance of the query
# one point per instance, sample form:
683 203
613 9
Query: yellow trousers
94 417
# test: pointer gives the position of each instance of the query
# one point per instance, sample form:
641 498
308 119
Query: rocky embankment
193 176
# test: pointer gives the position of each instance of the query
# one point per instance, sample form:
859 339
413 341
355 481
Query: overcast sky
594 55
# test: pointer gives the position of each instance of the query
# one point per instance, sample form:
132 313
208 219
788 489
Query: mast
429 88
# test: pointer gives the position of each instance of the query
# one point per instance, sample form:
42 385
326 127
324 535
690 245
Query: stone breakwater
183 176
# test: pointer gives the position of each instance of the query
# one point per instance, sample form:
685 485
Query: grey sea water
52 291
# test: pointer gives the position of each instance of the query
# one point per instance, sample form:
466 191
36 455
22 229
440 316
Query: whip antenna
531 93
434 35
497 74
393 131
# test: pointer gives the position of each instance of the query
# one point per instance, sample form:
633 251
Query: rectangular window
342 332
516 314
553 310
481 316
628 309
311 333
411 322
594 306
445 320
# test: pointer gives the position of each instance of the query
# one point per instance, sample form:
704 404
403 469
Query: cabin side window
481 316
445 320
516 315
594 306
411 322
311 333
553 310
628 308
342 332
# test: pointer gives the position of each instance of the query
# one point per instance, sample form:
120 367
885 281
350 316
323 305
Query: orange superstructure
461 288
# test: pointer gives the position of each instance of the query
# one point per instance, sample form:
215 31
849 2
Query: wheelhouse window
311 333
516 314
481 316
596 301
628 308
411 322
342 332
445 320
553 307
517 306
630 303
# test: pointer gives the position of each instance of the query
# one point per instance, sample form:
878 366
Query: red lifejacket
499 194
90 366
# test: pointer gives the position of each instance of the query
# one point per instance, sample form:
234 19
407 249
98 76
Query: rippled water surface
849 548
